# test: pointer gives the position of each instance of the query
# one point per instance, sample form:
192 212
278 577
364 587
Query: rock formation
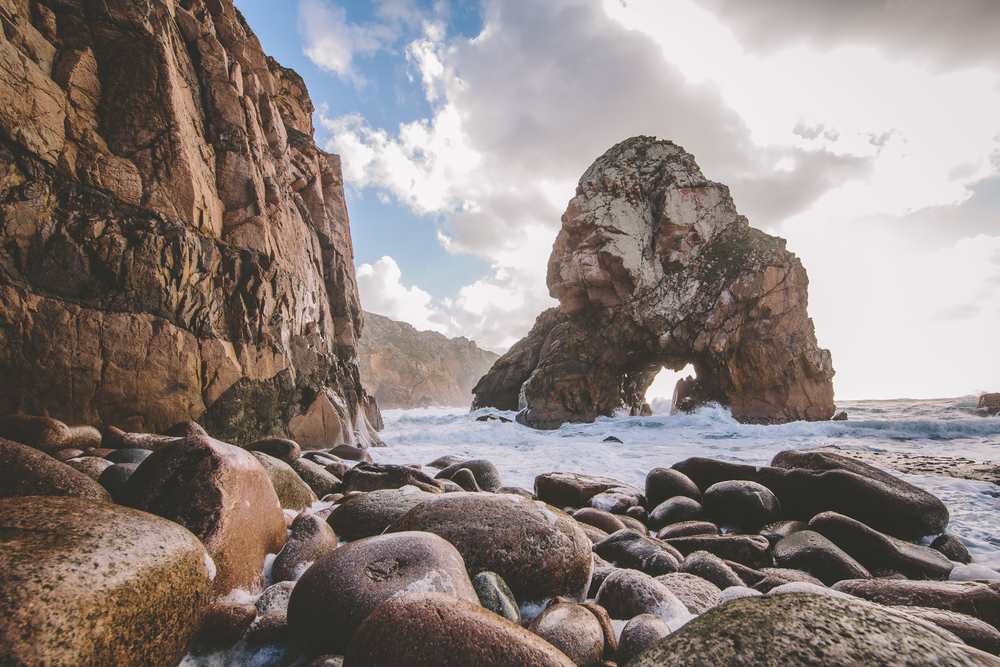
405 368
173 246
653 267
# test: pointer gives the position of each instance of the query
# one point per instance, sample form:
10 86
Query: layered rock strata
405 368
654 268
173 246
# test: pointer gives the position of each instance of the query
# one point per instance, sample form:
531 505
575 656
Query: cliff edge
173 246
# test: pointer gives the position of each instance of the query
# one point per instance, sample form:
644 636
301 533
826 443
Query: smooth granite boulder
540 551
698 594
84 582
434 629
309 539
563 489
366 514
335 595
628 593
494 594
486 474
811 552
293 493
639 634
975 598
220 493
42 433
741 504
798 629
749 550
574 630
663 483
26 471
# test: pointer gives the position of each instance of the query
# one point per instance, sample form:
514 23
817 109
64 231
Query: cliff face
405 368
173 245
655 268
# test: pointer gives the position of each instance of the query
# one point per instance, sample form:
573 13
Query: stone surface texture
653 267
405 368
90 583
175 247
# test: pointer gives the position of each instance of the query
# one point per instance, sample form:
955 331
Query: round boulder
293 493
811 552
90 583
698 595
368 514
309 539
26 471
664 483
675 510
628 593
741 504
336 594
42 433
434 629
495 595
280 448
486 474
801 629
91 466
639 634
574 630
540 551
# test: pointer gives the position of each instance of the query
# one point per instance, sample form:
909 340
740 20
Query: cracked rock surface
654 267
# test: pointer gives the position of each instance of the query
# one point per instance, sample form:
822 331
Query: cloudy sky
865 132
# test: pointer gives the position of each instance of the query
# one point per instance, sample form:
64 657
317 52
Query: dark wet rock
628 593
601 519
705 472
494 594
540 551
953 548
336 594
750 550
220 493
978 599
698 594
969 629
465 480
114 478
351 453
91 466
185 429
711 568
563 489
633 523
433 629
309 539
639 513
639 634
574 630
801 629
664 483
811 552
487 418
367 514
517 491
839 417
375 476
630 549
27 471
280 448
774 532
990 403
807 483
688 529
779 576
42 433
741 504
675 510
612 438
225 623
269 628
84 582
316 477
443 462
750 576
128 455
293 493
617 500
486 475
878 552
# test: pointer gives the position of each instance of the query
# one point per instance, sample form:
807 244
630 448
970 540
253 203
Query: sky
865 132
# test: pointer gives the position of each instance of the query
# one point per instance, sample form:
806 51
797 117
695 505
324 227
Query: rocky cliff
655 268
405 368
173 245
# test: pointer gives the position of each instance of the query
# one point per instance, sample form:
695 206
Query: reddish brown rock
574 489
26 471
628 593
367 514
42 433
698 595
221 494
653 267
639 634
280 448
750 550
179 248
376 476
433 629
990 403
601 519
574 630
310 538
225 623
540 551
335 595
978 599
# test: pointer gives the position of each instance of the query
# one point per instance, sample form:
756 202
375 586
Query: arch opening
660 393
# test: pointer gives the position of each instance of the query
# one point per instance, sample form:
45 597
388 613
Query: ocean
940 427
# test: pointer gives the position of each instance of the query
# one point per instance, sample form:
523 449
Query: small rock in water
840 417
612 438
953 548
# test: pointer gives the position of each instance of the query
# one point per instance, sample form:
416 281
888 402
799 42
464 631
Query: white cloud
382 293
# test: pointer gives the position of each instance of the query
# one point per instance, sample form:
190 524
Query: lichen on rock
654 268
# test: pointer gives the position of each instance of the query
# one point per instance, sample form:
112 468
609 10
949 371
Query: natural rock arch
654 267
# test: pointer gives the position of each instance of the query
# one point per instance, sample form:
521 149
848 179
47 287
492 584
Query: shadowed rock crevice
654 268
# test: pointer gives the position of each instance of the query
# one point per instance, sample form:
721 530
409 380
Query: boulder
630 549
432 629
316 477
563 489
42 433
540 551
639 634
601 519
802 629
115 477
952 548
220 493
809 551
486 474
90 583
375 476
653 268
366 514
225 623
711 568
698 594
574 630
747 506
974 598
664 483
309 538
749 550
280 448
128 455
705 472
293 493
494 594
617 500
687 529
990 403
91 466
972 631
26 471
675 510
628 593
334 596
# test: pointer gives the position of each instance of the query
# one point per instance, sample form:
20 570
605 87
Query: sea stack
175 246
654 267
